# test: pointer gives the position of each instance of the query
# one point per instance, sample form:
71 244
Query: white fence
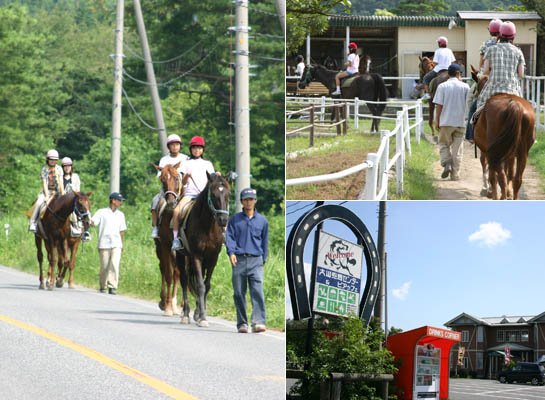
379 164
531 91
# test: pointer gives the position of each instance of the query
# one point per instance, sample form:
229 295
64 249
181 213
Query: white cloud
403 291
490 234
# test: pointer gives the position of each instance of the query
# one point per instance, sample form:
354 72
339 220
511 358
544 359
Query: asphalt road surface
82 344
471 389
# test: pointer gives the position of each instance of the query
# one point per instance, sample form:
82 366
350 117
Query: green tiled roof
376 21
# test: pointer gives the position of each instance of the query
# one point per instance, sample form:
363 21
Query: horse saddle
181 233
347 82
441 75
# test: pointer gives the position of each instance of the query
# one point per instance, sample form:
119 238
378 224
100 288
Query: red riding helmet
196 141
442 41
353 45
494 26
508 30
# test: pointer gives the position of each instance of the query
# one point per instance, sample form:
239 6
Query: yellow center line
133 373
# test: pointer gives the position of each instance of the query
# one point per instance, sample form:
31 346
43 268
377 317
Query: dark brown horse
54 230
204 229
426 65
505 133
173 190
367 86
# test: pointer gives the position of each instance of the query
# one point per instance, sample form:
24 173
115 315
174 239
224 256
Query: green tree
539 7
420 7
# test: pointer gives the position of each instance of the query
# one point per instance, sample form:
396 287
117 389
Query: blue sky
447 257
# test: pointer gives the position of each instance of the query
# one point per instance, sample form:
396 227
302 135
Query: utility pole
281 10
242 104
157 111
116 103
380 248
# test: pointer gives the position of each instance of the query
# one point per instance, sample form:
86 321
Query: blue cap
248 193
117 196
453 69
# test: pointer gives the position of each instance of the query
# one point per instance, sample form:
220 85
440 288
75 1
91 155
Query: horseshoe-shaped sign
295 266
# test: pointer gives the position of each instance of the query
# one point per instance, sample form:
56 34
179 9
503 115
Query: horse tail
507 140
192 279
381 92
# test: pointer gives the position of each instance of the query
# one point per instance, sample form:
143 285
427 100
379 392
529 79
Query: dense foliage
56 92
338 346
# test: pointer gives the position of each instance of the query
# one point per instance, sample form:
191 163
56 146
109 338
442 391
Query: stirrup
176 245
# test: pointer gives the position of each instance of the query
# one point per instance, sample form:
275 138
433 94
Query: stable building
394 43
485 339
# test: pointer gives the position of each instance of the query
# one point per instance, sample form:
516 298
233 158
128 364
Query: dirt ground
469 186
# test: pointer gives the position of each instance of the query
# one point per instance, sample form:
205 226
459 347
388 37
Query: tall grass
139 274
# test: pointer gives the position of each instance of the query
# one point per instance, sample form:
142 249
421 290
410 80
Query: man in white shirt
442 58
300 66
111 223
450 100
352 67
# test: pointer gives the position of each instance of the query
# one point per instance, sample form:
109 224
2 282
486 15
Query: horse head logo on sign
338 270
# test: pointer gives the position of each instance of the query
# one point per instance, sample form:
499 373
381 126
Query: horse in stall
504 133
426 65
203 227
54 230
170 275
367 86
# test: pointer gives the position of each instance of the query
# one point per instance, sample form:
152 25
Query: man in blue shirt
246 240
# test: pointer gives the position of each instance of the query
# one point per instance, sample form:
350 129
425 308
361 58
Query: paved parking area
470 389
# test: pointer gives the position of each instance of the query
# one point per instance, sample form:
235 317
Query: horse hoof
484 193
59 283
161 306
168 313
196 316
185 320
203 323
176 311
50 287
71 286
42 286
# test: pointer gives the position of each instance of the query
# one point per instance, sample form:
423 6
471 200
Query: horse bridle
180 187
211 204
78 212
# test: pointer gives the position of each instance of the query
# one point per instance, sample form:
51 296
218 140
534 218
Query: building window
513 336
465 336
480 334
479 360
524 336
499 336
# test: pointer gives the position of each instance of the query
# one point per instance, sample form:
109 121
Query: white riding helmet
53 154
173 139
66 161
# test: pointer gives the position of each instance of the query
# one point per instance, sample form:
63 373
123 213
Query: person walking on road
450 100
246 240
111 223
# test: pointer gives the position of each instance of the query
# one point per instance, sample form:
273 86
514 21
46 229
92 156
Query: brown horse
54 230
172 188
505 133
204 229
426 65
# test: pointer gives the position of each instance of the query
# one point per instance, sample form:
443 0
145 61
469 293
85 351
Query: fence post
534 93
401 151
384 158
322 110
311 120
527 89
370 189
345 123
337 119
418 120
538 113
406 131
356 112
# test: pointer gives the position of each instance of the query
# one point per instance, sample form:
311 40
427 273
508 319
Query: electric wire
300 208
138 115
136 55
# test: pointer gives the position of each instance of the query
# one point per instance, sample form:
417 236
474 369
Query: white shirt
75 185
443 57
300 69
169 160
452 96
355 60
110 225
197 167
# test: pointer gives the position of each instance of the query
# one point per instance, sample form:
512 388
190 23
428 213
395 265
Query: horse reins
176 195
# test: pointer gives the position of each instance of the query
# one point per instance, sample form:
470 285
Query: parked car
524 372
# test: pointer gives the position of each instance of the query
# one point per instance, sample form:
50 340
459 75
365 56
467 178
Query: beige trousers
450 147
109 267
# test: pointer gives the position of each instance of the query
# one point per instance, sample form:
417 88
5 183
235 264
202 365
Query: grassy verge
139 274
537 153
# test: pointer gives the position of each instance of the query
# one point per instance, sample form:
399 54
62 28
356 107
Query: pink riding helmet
508 30
173 139
494 26
53 154
66 161
442 40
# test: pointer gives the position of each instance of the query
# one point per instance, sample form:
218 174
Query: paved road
471 389
81 344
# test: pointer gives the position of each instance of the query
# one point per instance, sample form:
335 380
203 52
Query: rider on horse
300 66
195 168
352 67
504 63
173 143
494 29
71 183
52 183
442 58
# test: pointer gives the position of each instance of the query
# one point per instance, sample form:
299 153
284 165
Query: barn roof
398 20
503 15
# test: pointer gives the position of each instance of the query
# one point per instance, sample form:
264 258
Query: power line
268 58
137 115
136 55
293 204
267 35
300 208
